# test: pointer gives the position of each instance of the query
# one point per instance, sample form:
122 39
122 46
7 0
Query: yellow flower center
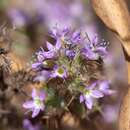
38 103
87 92
60 71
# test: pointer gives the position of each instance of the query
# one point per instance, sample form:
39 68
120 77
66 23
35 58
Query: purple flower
88 53
40 59
93 50
36 104
90 94
76 37
59 71
39 65
27 125
53 49
36 65
42 76
47 54
43 56
105 88
59 34
70 53
39 54
51 53
66 36
72 38
96 90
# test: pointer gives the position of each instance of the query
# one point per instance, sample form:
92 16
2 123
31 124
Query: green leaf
54 101
80 109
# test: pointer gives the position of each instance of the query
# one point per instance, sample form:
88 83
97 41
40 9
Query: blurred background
31 20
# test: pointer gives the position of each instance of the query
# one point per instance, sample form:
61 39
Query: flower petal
28 104
89 102
81 98
101 51
49 54
92 86
34 93
58 44
53 75
104 86
76 36
97 94
35 65
35 113
42 76
88 53
70 53
40 57
49 46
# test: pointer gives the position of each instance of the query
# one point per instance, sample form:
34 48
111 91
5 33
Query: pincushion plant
70 69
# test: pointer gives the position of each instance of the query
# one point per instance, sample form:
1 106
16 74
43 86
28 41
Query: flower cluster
70 59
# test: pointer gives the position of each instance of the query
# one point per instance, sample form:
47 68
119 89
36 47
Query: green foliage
79 110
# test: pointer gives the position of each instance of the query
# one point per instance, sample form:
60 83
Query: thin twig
71 100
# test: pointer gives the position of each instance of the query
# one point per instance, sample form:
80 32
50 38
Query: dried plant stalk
124 120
